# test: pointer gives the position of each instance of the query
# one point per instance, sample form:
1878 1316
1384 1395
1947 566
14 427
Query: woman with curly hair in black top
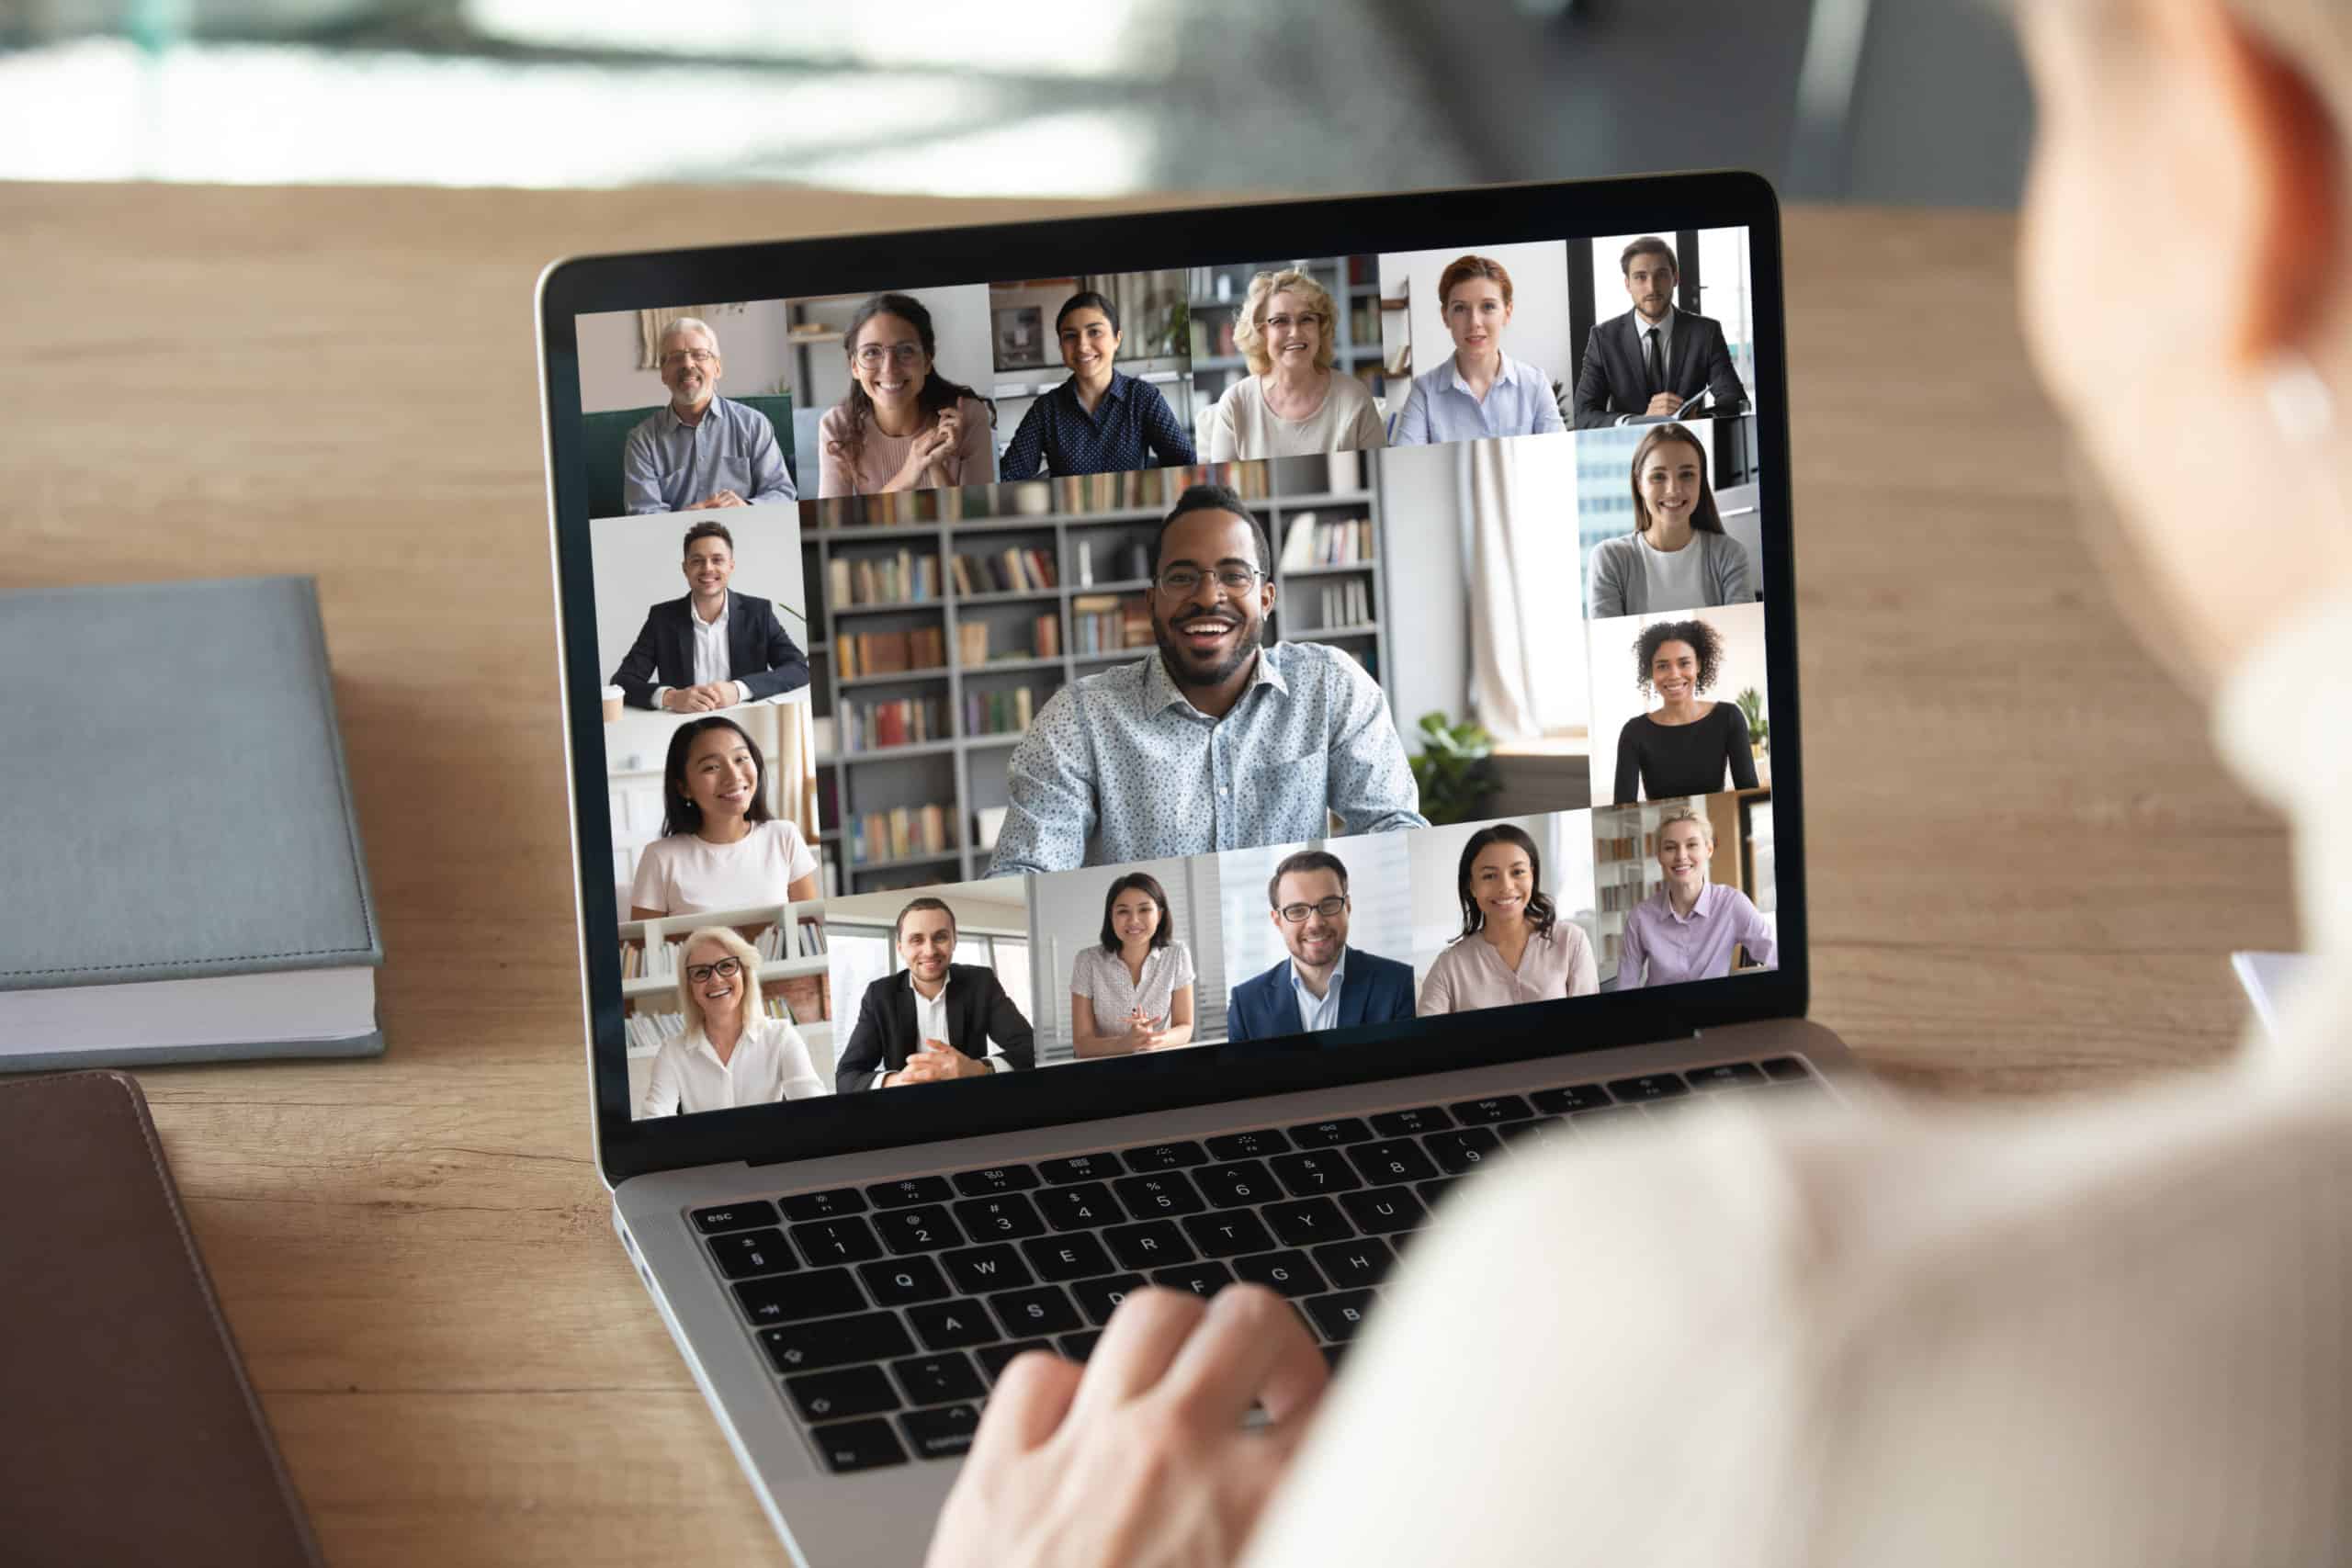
903 425
1682 746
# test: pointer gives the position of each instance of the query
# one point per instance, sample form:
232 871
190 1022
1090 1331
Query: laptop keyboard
886 1312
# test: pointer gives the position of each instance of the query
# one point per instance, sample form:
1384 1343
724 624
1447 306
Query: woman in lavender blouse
1687 929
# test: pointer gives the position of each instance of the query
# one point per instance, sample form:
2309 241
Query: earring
2300 401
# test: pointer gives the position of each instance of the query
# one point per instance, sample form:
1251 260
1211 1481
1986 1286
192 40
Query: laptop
1151 748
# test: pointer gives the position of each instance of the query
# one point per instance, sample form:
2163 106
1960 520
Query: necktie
1658 371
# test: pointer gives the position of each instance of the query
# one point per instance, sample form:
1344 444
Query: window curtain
791 745
1502 676
651 324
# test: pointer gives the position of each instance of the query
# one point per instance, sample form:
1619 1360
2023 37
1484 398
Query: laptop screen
1007 677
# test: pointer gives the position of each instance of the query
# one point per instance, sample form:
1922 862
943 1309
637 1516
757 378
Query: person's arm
854 1070
787 666
1022 458
1605 590
1754 932
1629 762
638 668
1736 751
1163 437
1412 427
1050 790
662 1089
1179 1029
976 445
1723 377
1365 432
1583 969
1238 1023
1547 407
1437 991
1014 1042
834 475
800 1075
1592 387
1224 440
771 477
641 472
1730 561
1370 780
649 890
1633 956
1084 1039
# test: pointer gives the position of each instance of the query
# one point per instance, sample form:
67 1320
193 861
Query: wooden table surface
2026 867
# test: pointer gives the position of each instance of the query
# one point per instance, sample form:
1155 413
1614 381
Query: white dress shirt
2112 1334
1642 330
770 1062
931 1024
712 661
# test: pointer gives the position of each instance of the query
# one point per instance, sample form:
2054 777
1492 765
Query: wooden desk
2027 868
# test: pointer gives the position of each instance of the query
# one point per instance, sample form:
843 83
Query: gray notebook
181 860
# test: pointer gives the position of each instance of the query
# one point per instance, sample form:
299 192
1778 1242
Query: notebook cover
132 1434
174 802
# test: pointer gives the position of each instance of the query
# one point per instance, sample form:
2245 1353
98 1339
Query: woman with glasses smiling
1292 403
730 1053
903 425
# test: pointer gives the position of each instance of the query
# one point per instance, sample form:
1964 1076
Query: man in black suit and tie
1650 361
936 1019
712 648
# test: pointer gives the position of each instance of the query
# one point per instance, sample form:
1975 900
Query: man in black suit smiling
1650 361
714 647
934 1019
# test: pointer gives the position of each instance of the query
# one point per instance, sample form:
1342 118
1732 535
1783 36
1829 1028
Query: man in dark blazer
934 1019
1625 377
714 647
1324 984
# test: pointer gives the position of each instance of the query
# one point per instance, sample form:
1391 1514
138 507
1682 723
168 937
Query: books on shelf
1104 623
999 713
1312 541
891 653
1007 570
1347 604
1135 489
905 578
900 721
902 832
1047 636
897 509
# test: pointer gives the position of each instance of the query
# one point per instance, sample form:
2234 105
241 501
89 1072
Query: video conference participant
1479 390
1212 742
1686 930
1514 945
1134 990
934 1019
731 1053
903 425
1683 746
1678 557
720 847
1657 356
1101 421
1294 401
714 647
701 450
1324 984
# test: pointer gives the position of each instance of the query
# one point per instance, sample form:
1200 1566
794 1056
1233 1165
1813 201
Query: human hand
718 498
681 699
1664 403
935 1061
1140 1457
715 694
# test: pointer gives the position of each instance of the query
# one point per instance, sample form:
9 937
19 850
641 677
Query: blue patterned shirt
1120 767
1440 408
667 465
1132 427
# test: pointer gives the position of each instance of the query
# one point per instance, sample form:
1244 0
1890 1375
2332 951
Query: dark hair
1462 269
1142 882
1704 640
913 904
713 530
1087 299
938 392
1704 518
678 813
1540 913
1304 860
1648 245
1216 498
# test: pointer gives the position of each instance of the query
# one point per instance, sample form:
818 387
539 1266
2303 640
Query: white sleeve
651 888
798 859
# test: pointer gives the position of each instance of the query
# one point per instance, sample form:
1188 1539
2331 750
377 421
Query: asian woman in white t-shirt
721 847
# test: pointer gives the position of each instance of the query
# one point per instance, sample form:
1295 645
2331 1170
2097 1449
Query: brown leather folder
127 1432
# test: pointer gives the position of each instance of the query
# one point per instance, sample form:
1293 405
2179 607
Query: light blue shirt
1319 1013
1440 408
1119 767
668 465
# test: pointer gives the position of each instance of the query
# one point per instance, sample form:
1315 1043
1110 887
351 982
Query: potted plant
1455 769
1759 733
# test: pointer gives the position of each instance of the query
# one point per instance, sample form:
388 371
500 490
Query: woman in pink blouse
1514 947
904 425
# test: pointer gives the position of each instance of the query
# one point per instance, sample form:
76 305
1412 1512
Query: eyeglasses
1330 908
1305 322
903 354
678 357
1236 581
724 969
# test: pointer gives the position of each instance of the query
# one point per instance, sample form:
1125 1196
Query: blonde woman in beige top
1295 401
903 425
1515 947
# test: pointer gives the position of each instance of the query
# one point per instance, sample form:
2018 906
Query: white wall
637 564
754 358
1380 892
1538 332
1428 632
1615 698
1564 837
1066 917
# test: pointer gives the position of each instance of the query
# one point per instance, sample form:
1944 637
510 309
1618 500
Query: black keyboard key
735 1217
1339 1314
1100 1298
1351 1265
994 1358
1786 1069
836 1342
1463 1151
923 1229
1082 1206
1248 1146
935 1380
1067 1257
1384 1210
826 1292
1233 1186
1577 1097
1041 1308
1311 1171
1153 1244
1081 1167
1430 1191
848 1240
1203 1280
1392 1159
1306 1221
992 1267
902 1282
1533 1131
747 1253
1291 1274
1329 1135
1008 1217
1166 1156
1156 1197
829 1205
858 1445
994 1179
1408 1123
908 1193
1494 1108
947 1326
1728 1075
847 1391
942 1433
1077 1347
1650 1085
1226 1235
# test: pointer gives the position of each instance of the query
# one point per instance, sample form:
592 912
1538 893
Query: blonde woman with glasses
730 1051
1294 401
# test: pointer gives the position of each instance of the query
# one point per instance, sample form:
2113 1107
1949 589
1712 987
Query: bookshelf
1216 295
1082 596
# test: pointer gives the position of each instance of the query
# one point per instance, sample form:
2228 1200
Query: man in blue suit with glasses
1324 984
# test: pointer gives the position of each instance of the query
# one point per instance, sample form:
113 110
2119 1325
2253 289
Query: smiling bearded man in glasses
700 449
1324 983
1220 739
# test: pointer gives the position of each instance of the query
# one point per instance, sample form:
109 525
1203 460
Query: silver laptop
1150 750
